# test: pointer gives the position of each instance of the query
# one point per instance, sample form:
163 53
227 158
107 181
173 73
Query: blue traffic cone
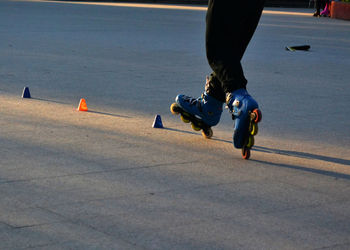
26 93
157 122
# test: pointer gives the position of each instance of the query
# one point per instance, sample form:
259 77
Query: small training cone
26 93
157 122
82 105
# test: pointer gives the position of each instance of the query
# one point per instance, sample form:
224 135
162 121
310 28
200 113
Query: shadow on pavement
109 114
302 155
181 131
90 111
46 100
310 170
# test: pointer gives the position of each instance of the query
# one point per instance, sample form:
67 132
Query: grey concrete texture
105 179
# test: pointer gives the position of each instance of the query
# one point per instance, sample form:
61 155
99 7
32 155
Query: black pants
229 29
320 4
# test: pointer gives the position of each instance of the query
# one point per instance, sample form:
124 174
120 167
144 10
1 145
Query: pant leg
319 4
230 27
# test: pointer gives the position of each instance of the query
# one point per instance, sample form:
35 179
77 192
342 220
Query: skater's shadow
305 169
303 155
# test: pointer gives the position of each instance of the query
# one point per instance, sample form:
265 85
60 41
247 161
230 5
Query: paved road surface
106 180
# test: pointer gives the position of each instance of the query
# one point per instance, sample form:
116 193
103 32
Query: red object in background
340 10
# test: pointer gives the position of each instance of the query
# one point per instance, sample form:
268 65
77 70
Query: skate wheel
245 153
250 143
258 115
184 119
195 128
207 133
173 109
253 129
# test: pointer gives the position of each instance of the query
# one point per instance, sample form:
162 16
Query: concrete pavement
106 180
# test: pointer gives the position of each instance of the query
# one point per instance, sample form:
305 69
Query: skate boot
203 112
246 114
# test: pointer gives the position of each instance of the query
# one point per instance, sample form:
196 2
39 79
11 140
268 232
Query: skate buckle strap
228 98
234 107
194 101
236 103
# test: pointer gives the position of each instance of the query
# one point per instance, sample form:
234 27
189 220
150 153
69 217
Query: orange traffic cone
82 105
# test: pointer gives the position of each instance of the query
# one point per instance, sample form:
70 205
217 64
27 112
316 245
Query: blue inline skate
246 114
203 112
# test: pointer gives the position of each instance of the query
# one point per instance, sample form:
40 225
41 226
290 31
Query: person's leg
317 7
320 4
229 29
228 33
214 88
326 11
227 38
